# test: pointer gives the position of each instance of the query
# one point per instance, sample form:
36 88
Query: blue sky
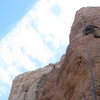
11 11
33 33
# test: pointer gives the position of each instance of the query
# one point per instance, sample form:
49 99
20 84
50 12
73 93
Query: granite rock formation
71 79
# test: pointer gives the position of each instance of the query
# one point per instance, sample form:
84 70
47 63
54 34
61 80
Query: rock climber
90 29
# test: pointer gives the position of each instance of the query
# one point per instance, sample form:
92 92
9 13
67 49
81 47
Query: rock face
70 78
72 81
25 85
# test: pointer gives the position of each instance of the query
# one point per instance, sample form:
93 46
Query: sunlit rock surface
69 79
72 81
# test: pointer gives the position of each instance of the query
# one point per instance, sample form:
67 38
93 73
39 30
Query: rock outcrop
25 85
71 80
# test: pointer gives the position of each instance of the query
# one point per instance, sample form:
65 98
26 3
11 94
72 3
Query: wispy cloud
5 76
31 37
36 36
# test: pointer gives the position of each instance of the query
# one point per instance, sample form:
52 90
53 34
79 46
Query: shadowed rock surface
70 80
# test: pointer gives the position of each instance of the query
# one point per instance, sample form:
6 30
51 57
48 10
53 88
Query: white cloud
48 24
5 76
12 70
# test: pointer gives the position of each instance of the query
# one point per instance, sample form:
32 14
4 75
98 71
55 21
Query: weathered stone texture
24 86
72 81
70 78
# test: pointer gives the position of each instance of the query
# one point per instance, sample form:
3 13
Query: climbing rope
90 66
91 71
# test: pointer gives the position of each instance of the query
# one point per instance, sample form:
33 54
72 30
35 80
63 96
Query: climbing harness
90 67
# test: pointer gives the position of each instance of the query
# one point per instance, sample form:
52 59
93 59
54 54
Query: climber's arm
96 36
96 26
